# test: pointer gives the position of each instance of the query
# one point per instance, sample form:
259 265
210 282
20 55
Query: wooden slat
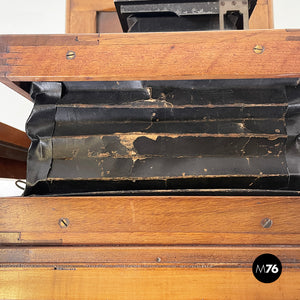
141 283
154 56
68 15
10 168
262 17
13 147
15 87
238 256
151 220
13 136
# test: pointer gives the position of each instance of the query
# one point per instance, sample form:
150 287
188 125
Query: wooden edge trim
152 56
271 14
12 169
68 15
86 5
144 283
15 87
159 220
238 256
13 136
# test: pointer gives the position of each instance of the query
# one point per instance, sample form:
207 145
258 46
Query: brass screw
63 222
258 49
70 55
266 223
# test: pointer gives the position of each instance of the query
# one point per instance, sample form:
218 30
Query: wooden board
146 247
13 136
146 256
263 16
10 168
151 56
150 220
80 14
144 283
13 152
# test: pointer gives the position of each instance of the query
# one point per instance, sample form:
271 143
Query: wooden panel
151 220
12 169
68 16
100 5
108 22
143 283
155 56
262 17
83 21
239 256
13 136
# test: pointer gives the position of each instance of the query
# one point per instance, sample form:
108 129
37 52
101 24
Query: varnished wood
144 283
151 220
263 16
84 5
152 56
237 256
14 86
13 136
13 151
83 21
10 168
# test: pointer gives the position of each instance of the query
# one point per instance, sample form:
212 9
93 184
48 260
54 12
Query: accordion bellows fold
190 136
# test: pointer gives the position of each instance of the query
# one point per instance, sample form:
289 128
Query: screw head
222 3
158 259
266 223
245 2
233 2
64 222
70 55
258 49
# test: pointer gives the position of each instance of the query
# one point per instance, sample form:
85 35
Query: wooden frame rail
146 247
150 56
150 220
13 152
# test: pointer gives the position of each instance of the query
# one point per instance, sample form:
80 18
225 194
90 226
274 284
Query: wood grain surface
14 136
193 256
10 168
262 16
144 283
151 56
150 220
13 152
